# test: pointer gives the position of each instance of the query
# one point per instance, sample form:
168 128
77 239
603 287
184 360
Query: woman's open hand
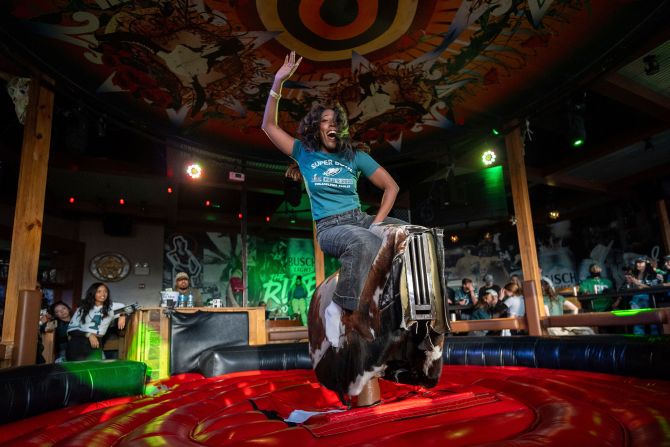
289 67
93 340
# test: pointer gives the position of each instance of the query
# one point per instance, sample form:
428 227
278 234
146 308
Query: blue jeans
641 301
346 237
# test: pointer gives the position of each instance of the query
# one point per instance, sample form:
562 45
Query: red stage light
169 189
267 218
207 203
122 202
239 216
71 200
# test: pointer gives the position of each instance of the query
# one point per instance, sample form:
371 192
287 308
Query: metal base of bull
397 332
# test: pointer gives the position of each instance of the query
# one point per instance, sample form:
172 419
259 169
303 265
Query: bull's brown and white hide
348 349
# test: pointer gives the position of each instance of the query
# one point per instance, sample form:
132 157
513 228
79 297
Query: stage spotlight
454 238
554 214
488 157
71 200
194 171
495 132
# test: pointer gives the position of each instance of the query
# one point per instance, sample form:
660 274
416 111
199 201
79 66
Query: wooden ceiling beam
615 143
645 176
564 181
634 95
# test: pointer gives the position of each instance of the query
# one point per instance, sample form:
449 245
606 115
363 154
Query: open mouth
332 135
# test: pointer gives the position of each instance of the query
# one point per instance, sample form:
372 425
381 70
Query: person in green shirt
299 301
596 285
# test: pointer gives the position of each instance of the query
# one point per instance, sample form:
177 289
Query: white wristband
275 95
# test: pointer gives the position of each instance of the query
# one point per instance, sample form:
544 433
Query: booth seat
646 357
34 389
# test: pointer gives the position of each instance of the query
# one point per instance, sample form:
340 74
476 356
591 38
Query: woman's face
101 295
61 312
328 130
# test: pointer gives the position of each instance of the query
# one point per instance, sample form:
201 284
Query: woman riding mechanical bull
359 328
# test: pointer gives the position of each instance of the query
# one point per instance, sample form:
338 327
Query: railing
659 316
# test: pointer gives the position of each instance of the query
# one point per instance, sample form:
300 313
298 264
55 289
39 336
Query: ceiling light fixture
194 171
576 127
488 157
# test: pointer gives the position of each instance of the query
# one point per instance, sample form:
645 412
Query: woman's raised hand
289 67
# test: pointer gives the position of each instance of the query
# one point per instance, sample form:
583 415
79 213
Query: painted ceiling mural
403 69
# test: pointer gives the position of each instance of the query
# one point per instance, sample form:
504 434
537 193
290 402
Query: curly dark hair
89 301
308 130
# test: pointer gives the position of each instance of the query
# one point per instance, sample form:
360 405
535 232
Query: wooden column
28 215
524 218
319 266
664 223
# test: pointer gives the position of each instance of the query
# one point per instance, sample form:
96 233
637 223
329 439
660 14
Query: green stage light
488 157
578 142
495 132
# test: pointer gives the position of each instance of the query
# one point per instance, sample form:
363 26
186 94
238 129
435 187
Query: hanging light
554 214
453 238
576 127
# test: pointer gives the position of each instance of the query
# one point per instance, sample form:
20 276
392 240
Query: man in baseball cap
183 286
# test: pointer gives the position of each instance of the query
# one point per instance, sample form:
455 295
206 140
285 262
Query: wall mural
402 68
211 259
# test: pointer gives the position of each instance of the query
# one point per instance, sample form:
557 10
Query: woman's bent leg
356 248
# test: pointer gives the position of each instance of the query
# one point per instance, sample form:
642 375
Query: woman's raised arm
277 135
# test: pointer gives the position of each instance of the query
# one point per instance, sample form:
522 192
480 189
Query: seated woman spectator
642 276
555 304
62 314
89 324
483 310
516 307
513 299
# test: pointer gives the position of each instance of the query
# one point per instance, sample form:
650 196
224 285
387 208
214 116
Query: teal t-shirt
331 180
555 306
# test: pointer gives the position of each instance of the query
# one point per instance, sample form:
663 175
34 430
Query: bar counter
148 334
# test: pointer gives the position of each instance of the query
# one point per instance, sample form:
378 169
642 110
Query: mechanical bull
398 330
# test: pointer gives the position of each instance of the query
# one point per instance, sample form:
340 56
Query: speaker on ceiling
117 225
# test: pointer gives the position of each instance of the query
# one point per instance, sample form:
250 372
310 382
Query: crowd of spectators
643 287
